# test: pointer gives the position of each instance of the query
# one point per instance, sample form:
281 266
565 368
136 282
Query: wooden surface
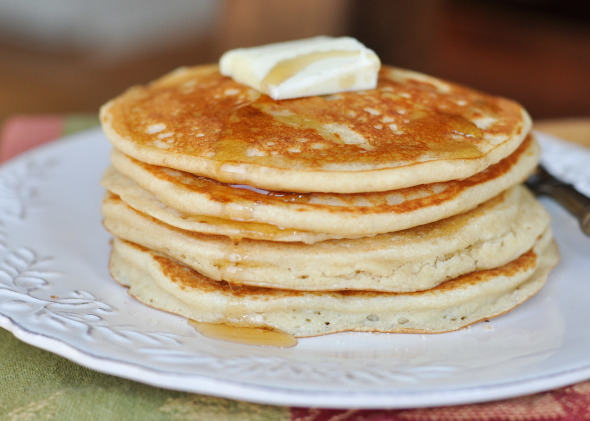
573 129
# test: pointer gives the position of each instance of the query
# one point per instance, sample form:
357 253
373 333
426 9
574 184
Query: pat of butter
313 66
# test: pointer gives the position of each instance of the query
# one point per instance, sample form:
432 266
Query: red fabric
22 133
571 403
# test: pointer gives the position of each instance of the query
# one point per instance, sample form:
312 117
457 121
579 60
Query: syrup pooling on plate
237 327
262 336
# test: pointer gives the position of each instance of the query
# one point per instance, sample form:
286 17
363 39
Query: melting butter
313 66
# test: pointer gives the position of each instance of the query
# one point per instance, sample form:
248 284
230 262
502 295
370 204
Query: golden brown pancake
419 258
343 215
163 283
144 201
412 129
395 209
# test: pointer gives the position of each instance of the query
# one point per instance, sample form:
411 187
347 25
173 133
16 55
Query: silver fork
541 182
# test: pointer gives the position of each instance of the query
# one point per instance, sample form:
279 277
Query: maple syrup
251 229
247 335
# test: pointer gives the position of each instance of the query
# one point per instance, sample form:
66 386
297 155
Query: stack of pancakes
397 209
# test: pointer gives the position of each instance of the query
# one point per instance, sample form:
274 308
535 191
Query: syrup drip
232 264
247 335
256 230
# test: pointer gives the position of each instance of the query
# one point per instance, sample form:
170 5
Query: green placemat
39 385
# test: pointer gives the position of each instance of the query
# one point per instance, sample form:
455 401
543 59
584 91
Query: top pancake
412 129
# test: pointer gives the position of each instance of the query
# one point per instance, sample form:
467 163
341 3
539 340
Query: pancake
394 209
415 259
143 201
412 129
339 215
165 284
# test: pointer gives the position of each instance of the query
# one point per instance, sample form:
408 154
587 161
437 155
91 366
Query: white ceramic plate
56 294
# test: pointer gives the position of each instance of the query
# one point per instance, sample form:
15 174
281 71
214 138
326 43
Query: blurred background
70 56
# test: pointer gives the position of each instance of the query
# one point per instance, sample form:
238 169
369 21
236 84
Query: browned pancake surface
188 278
231 130
245 198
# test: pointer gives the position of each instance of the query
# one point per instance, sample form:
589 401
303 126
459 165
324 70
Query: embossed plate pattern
56 294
